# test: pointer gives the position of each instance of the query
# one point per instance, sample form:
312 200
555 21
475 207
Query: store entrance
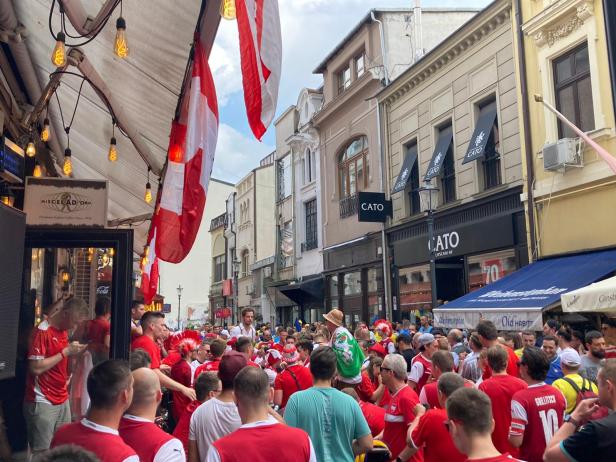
450 279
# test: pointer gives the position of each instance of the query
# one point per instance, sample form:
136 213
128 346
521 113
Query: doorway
450 279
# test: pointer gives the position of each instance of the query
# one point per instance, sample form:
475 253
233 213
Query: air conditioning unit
564 153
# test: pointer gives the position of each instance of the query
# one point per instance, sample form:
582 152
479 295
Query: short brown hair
218 347
242 344
205 383
497 358
251 385
487 329
247 310
471 407
443 360
449 382
608 370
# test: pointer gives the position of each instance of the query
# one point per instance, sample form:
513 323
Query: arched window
244 263
353 167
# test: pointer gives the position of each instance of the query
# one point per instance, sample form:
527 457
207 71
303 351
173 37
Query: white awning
599 297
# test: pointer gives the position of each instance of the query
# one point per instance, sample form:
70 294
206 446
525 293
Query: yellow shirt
569 392
519 352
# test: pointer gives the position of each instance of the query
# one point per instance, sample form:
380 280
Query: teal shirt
332 419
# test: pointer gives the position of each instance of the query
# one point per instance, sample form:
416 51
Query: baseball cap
230 364
570 357
426 339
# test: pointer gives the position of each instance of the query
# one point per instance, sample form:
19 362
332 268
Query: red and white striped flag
258 22
191 157
149 268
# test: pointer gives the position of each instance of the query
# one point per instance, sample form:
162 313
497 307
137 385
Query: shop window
344 79
573 90
352 283
374 278
414 288
487 268
353 167
332 291
448 176
360 66
310 210
219 268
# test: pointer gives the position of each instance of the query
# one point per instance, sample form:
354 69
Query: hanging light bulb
111 252
46 131
227 9
113 151
58 55
120 47
31 148
37 172
148 189
67 168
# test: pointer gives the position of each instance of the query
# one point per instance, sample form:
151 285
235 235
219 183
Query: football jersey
146 343
421 369
431 435
210 366
536 413
399 414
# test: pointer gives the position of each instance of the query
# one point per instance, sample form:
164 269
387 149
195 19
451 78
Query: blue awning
516 301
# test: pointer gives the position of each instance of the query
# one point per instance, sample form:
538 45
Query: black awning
442 145
309 290
483 129
405 171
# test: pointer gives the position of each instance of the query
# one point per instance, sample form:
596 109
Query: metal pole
179 304
432 263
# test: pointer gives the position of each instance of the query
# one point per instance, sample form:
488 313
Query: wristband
572 421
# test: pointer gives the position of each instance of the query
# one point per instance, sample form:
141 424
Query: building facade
377 50
219 288
451 123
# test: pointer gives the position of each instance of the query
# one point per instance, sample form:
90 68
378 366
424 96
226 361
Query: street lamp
179 289
428 194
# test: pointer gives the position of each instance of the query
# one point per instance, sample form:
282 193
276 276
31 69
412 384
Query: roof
368 18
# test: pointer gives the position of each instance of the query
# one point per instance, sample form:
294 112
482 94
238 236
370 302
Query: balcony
348 206
219 222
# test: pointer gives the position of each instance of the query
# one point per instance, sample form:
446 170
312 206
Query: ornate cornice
558 20
464 39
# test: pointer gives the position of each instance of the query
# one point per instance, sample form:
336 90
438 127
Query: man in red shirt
207 386
152 324
137 427
261 437
217 349
110 387
537 412
442 362
181 372
282 339
470 425
374 415
488 335
401 410
421 365
46 405
244 345
295 377
97 332
429 433
500 388
304 348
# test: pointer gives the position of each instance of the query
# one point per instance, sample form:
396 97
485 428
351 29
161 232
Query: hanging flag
258 22
191 156
149 268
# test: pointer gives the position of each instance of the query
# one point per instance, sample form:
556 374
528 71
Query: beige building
220 296
451 123
376 51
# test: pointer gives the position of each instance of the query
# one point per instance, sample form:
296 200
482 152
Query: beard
598 354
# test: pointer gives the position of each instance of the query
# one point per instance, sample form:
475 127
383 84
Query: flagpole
606 156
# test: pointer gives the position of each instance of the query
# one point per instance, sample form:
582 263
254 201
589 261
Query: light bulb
146 250
67 168
120 47
227 9
111 252
38 171
148 192
65 276
58 55
105 259
113 150
31 148
46 131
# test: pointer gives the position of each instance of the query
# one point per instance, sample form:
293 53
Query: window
309 167
415 288
284 178
360 67
448 175
286 244
310 209
413 182
352 283
487 268
573 90
219 268
353 167
245 265
491 158
344 79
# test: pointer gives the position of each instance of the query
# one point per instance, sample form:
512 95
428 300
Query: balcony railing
218 222
348 206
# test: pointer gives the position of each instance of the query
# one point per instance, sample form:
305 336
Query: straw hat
335 317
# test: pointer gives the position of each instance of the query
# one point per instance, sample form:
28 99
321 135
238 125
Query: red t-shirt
181 372
431 435
150 347
512 365
96 331
374 415
182 429
398 416
536 414
501 458
429 395
285 381
210 366
51 385
500 389
421 370
279 347
365 389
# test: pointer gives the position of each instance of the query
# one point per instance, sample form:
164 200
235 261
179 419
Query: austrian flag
258 22
149 269
191 157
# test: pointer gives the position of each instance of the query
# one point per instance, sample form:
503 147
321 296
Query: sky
310 30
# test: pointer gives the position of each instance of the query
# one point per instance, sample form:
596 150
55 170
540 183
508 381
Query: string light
113 151
227 9
120 47
37 172
148 189
111 252
58 55
30 148
67 168
45 133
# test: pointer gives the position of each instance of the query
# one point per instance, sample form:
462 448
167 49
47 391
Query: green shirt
332 419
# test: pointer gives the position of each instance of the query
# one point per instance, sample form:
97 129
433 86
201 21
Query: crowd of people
319 392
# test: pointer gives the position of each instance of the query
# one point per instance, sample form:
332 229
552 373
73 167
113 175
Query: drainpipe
384 247
383 49
530 172
418 32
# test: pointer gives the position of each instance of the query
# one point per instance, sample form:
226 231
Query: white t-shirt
241 331
211 421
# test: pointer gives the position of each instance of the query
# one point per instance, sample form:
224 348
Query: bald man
137 427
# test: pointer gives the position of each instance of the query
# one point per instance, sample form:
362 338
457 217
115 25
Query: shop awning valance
309 290
599 297
517 301
405 171
445 138
483 129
